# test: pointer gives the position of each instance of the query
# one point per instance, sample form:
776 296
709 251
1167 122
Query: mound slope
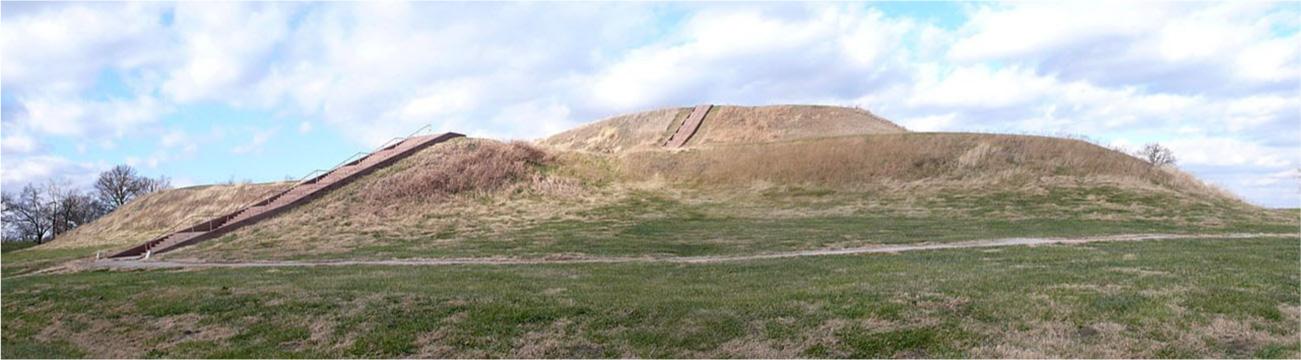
152 215
753 179
723 125
514 201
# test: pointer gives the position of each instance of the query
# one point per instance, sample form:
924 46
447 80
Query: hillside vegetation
726 125
757 180
753 180
483 198
140 220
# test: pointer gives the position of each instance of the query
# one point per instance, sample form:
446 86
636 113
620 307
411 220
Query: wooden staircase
315 185
688 127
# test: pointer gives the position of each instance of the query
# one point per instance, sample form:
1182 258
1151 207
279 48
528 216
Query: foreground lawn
1173 298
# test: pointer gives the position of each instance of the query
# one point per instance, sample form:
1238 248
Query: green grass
652 224
1172 298
25 260
7 246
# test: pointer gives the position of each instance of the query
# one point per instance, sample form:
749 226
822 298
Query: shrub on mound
473 166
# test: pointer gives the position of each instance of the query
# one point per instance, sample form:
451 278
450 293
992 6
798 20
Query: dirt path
172 264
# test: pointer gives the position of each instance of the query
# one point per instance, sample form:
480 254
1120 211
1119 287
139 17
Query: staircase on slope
300 193
688 127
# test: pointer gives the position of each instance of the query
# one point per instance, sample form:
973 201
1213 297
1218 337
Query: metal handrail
354 155
212 217
310 175
183 223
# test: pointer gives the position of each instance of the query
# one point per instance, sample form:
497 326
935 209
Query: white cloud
224 47
980 87
529 119
1215 81
257 140
65 116
19 171
1292 176
62 49
749 56
1184 47
929 123
1223 151
17 143
175 138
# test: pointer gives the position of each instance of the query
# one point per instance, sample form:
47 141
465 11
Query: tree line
38 213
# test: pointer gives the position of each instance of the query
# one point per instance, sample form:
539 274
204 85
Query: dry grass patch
151 215
723 125
465 167
756 124
620 133
874 159
438 195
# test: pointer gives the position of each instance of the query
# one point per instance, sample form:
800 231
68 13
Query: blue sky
211 92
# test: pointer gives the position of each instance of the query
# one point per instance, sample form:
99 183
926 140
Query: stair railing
318 173
213 222
184 222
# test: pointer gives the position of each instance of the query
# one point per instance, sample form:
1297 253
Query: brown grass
754 124
464 186
723 125
620 133
477 167
476 188
902 158
151 215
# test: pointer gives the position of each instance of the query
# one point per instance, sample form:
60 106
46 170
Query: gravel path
172 264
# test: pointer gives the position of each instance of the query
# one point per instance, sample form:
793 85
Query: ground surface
780 232
134 263
1166 298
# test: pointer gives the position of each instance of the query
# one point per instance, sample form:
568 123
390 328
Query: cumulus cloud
1226 48
223 47
257 139
31 169
748 56
1215 81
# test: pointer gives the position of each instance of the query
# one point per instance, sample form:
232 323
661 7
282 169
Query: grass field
1166 298
695 223
478 198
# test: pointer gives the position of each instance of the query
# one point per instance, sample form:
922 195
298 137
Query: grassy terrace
656 223
1173 298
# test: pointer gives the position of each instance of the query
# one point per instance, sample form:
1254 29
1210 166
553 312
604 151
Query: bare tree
9 230
119 185
28 214
1156 155
70 207
148 185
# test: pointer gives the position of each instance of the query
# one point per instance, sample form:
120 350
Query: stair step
689 127
174 239
279 201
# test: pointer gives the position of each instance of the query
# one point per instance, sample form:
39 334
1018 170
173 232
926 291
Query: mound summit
725 125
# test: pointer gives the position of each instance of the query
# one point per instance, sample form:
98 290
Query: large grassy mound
483 198
753 180
615 193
